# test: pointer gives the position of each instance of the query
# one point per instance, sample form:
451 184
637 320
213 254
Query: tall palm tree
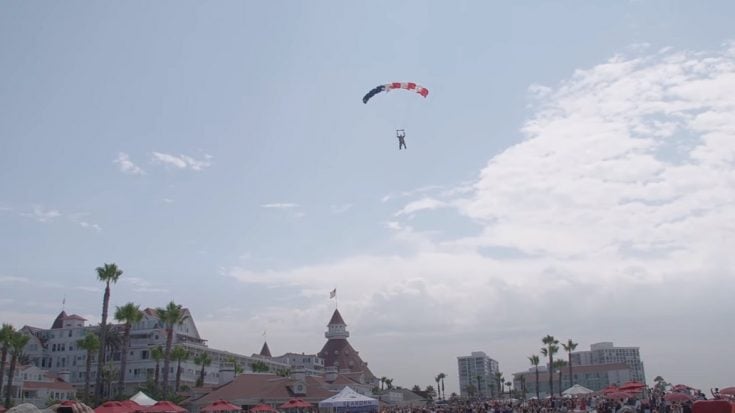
442 376
499 379
17 342
437 379
382 382
108 273
507 384
551 348
6 334
389 383
90 343
204 360
179 354
535 360
559 365
170 316
157 355
569 346
128 314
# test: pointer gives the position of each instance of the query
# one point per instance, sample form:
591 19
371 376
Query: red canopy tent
618 395
263 408
221 406
115 407
130 403
163 406
609 389
632 385
296 404
677 397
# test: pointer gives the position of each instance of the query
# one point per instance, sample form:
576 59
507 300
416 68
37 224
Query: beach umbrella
677 397
164 406
221 406
296 404
730 391
610 389
618 395
114 407
632 385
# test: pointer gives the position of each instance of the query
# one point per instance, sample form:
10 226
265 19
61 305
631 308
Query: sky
571 172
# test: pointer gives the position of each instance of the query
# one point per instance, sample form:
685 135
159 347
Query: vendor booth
349 401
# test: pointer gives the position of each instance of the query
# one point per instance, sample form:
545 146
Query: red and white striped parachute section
396 85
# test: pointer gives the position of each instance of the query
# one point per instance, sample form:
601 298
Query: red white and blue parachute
396 85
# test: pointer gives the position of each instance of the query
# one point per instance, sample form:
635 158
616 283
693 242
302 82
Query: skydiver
401 134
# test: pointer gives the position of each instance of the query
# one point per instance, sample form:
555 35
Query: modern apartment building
607 353
477 375
594 377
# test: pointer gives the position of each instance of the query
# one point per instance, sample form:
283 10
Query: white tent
576 390
143 399
349 400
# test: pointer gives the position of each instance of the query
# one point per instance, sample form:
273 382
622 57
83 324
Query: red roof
265 351
336 318
337 352
250 388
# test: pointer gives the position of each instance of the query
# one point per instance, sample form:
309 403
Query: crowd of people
653 403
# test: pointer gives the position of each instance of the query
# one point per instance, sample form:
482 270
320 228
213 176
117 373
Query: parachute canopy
396 85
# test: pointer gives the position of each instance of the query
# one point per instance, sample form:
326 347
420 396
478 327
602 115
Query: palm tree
382 382
128 314
237 367
552 347
389 383
108 273
559 365
534 359
179 354
204 360
437 379
157 354
507 384
498 378
6 335
442 376
259 367
90 343
170 316
479 385
17 342
569 346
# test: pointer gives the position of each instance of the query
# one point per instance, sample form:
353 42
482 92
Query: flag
333 293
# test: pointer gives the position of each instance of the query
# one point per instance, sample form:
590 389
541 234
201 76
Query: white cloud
280 205
127 166
183 161
141 285
87 225
340 209
10 279
614 214
42 214
422 204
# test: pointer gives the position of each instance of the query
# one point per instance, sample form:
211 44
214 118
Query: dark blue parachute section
373 92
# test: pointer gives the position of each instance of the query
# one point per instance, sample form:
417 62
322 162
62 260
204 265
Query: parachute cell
396 85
